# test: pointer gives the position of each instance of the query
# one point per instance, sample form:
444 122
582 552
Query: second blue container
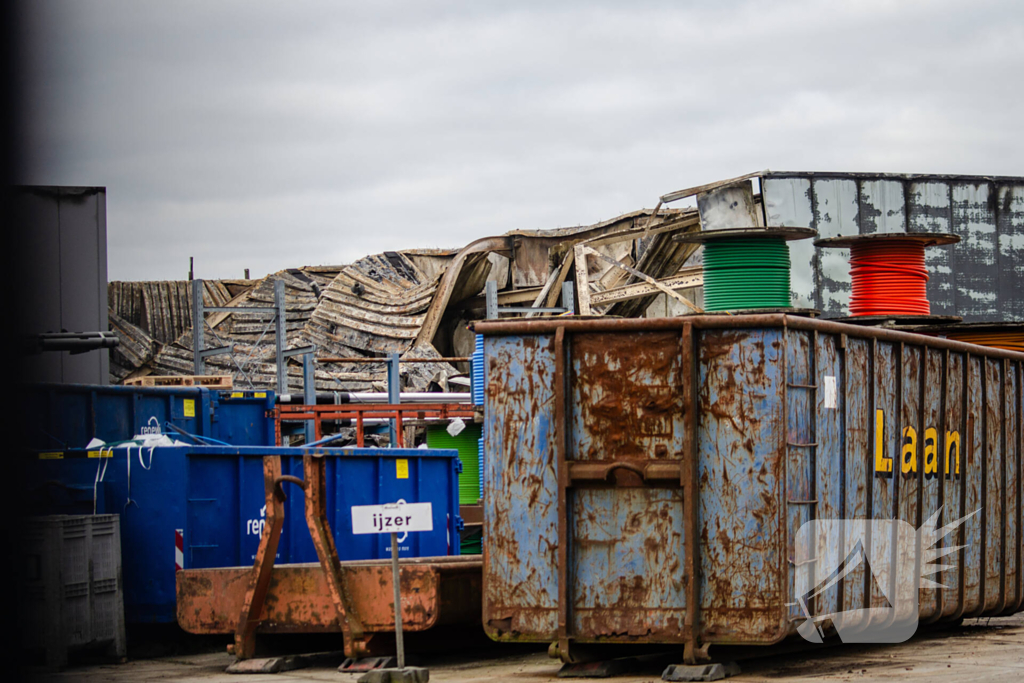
200 507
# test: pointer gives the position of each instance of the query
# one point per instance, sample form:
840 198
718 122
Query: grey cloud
271 135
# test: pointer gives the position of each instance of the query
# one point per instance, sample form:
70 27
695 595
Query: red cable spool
889 278
887 271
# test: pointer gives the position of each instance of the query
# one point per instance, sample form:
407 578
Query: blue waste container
243 418
200 507
57 417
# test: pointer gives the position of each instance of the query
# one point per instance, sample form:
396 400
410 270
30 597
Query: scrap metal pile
416 303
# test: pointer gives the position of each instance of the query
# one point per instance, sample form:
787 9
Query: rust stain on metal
299 600
761 423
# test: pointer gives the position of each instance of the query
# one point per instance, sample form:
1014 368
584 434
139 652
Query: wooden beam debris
690 191
641 289
582 250
583 276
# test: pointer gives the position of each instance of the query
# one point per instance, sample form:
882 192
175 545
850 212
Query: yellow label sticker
260 394
53 455
190 407
237 394
401 468
109 453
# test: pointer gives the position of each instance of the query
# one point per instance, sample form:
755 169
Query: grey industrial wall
61 253
980 278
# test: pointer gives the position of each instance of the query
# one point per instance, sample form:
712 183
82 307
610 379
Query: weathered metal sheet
930 209
628 408
788 204
979 279
436 591
976 256
836 212
740 435
1009 207
521 591
788 420
881 206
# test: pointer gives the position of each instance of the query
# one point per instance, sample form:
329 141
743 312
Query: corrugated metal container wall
626 457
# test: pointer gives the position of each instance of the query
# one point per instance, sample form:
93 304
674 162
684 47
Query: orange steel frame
358 412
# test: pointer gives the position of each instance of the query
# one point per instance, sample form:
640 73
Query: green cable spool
746 272
466 443
471 543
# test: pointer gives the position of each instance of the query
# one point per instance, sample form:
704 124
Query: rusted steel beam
548 326
438 591
648 470
691 497
383 361
561 454
316 518
350 410
359 412
259 576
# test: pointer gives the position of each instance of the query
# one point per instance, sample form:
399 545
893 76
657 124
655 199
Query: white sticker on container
830 391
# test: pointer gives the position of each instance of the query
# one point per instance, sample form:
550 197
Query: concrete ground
977 650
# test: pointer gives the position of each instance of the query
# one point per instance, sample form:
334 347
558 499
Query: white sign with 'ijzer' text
393 518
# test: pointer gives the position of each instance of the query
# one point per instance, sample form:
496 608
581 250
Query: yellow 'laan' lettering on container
953 453
883 465
909 454
931 453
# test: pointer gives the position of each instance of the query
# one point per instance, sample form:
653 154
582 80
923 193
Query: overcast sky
269 135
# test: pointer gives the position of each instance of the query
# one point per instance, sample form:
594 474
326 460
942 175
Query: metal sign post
399 642
394 518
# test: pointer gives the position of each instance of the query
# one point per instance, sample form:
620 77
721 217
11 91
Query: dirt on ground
975 650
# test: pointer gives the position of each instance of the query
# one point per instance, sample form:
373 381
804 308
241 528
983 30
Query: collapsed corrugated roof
163 309
411 303
135 349
374 306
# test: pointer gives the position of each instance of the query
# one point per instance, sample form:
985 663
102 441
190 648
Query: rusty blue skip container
197 507
646 479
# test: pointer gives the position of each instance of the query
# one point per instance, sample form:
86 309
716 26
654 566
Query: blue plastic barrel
477 374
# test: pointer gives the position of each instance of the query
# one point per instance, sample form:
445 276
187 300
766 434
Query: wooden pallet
209 381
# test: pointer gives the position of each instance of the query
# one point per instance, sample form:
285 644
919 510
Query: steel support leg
252 606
